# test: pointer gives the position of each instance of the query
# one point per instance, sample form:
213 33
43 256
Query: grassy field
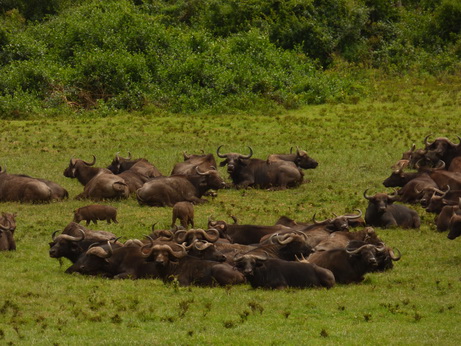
355 144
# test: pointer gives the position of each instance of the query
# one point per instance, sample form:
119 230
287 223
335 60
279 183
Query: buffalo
95 212
7 228
381 212
166 191
271 273
184 211
99 183
247 172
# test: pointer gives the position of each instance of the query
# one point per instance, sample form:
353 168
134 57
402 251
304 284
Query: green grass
415 303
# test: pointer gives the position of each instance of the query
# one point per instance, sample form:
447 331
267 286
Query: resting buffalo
245 234
443 219
189 270
271 273
442 198
95 212
166 191
416 187
100 183
381 212
246 172
341 239
301 159
352 263
75 240
124 262
22 188
203 162
442 149
134 172
454 227
7 228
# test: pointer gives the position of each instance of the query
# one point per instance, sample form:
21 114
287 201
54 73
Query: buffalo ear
223 163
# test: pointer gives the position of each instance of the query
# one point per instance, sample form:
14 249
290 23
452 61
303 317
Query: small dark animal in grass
381 212
7 228
184 211
95 212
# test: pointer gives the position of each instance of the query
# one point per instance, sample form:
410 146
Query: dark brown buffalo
22 188
184 211
203 162
410 158
134 172
271 273
286 246
75 240
301 159
126 262
7 228
349 265
454 227
442 149
341 239
416 186
95 212
245 234
190 236
442 198
166 191
443 219
140 166
188 270
247 172
100 183
381 212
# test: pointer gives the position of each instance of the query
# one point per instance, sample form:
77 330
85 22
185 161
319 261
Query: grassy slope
415 303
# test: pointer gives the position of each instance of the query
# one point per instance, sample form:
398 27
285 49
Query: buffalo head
380 200
233 160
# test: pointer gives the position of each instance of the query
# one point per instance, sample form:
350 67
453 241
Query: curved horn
100 252
186 156
354 216
180 235
2 170
440 165
285 239
90 163
425 141
214 236
201 245
71 238
53 236
223 156
365 194
393 256
318 222
235 219
201 173
356 251
247 156
153 226
178 254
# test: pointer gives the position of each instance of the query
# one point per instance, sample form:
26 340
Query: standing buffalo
95 212
166 191
247 172
100 183
381 212
184 211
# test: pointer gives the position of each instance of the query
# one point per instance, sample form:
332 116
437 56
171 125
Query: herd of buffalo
288 254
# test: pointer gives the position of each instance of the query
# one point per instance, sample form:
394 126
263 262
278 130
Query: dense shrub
213 55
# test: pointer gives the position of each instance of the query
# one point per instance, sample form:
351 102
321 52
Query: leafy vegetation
417 302
61 57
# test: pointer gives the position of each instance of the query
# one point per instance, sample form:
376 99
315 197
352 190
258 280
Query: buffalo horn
365 194
356 251
354 216
90 163
223 156
393 256
201 245
247 156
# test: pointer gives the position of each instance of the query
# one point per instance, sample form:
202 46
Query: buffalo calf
95 212
184 211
